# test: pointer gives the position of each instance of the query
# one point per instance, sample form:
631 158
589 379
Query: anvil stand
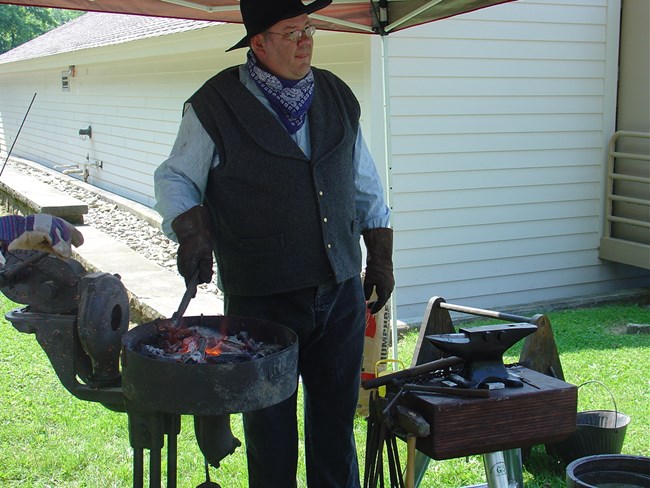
539 353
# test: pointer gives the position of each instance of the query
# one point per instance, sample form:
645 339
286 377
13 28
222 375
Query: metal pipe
411 372
17 134
485 313
172 454
59 166
495 470
78 171
154 468
138 468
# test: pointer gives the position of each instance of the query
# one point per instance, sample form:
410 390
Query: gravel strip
111 218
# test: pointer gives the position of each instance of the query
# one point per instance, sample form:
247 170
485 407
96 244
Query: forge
205 366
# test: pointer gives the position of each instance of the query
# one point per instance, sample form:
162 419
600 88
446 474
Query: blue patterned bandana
290 99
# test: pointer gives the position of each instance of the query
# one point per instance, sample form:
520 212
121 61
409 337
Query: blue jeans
330 323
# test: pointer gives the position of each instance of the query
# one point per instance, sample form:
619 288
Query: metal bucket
597 432
609 471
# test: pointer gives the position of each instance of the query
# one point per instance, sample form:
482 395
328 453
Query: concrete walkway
154 291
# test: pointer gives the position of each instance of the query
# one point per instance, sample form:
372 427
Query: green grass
48 438
593 346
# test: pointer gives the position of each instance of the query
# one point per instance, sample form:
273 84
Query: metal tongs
190 293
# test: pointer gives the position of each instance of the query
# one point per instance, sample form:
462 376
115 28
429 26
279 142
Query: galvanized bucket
611 470
597 432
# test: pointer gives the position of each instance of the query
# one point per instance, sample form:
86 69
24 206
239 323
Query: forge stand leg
514 467
147 431
138 468
155 480
503 469
172 428
495 470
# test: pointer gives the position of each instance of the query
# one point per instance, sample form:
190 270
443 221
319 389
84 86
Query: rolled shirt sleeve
372 209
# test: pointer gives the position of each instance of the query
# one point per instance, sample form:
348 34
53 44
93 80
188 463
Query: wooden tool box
542 410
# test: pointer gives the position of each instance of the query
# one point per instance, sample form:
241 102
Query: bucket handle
608 391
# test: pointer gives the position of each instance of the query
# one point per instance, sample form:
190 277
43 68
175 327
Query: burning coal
203 345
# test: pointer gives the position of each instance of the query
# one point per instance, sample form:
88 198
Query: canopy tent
363 16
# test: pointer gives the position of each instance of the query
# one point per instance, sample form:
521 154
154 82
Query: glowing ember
195 345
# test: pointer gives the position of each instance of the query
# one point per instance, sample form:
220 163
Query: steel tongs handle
190 293
9 275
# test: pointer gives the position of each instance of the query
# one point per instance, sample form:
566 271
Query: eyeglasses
296 35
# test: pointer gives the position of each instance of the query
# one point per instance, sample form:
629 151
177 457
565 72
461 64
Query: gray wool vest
282 221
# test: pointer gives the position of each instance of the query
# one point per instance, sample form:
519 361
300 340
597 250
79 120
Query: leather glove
192 228
41 232
379 266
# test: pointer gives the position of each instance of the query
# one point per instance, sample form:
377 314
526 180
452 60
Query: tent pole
388 168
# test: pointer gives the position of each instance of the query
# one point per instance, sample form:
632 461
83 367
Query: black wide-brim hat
259 15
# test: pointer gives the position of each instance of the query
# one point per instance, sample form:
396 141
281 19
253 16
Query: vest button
320 193
329 246
325 219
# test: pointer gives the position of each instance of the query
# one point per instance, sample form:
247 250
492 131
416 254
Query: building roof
94 29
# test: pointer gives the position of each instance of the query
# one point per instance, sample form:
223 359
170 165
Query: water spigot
86 132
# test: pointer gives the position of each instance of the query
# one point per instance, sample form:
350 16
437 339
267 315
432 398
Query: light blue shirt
180 181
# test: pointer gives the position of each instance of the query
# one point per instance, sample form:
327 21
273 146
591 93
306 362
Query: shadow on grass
539 461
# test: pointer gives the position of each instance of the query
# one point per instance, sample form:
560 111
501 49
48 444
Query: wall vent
65 81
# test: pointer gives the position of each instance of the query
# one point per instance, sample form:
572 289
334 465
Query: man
270 171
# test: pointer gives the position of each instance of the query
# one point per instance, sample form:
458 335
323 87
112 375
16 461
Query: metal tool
190 293
17 134
421 369
445 390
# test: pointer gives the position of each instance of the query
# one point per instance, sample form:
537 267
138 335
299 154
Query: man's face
281 56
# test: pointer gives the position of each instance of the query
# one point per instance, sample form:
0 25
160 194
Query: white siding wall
132 96
498 132
499 122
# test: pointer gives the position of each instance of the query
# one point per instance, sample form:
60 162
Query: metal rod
495 470
17 134
446 390
204 8
138 468
7 275
172 451
410 461
371 451
393 462
411 372
392 470
484 313
415 13
154 468
341 22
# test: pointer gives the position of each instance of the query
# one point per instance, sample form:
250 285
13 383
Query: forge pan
157 385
